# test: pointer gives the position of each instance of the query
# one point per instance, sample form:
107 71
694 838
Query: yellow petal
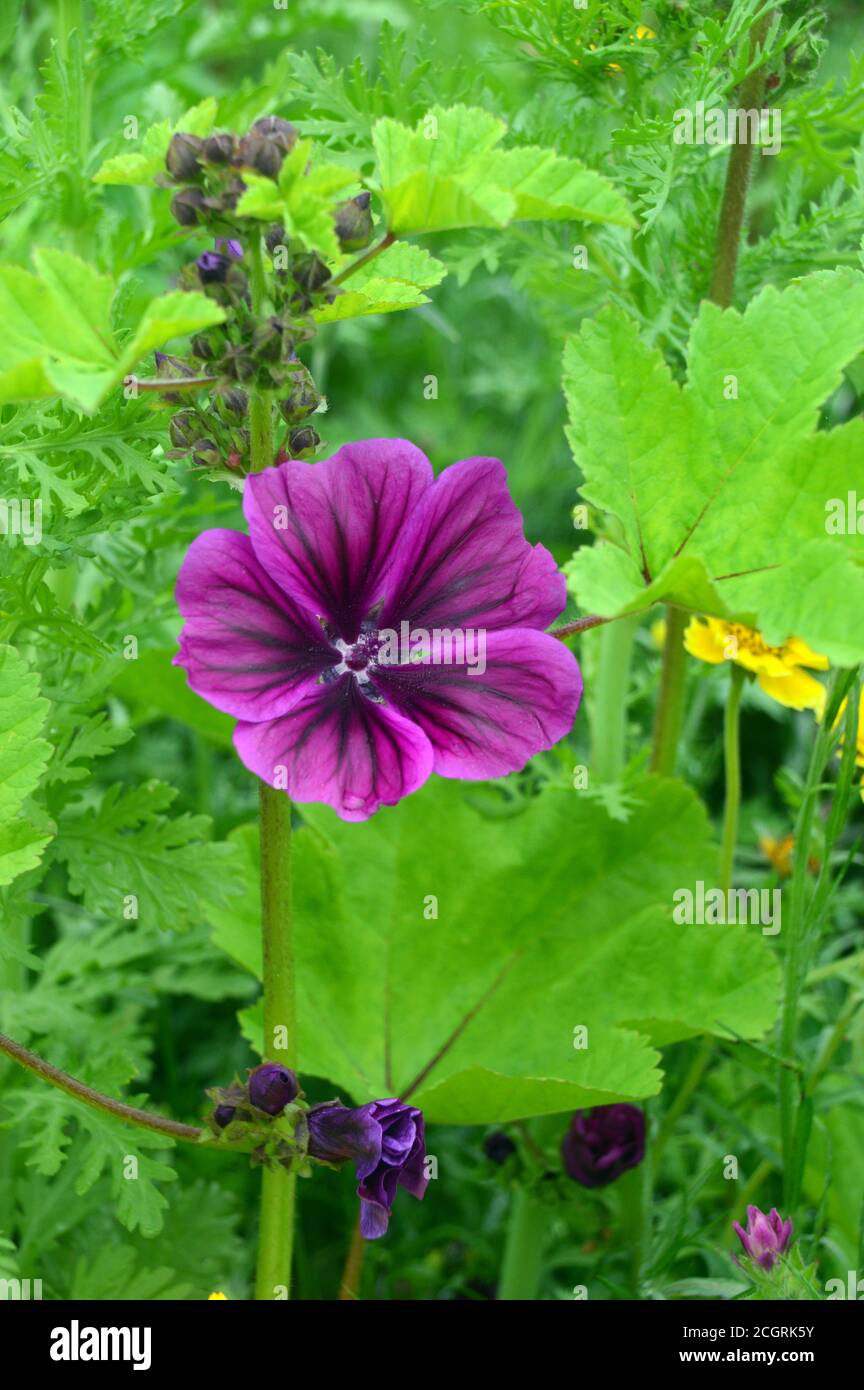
210 1297
704 640
796 690
802 655
643 32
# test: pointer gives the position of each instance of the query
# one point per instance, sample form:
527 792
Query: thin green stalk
609 707
527 1231
260 402
732 758
670 702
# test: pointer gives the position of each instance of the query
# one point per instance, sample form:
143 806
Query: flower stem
522 1265
367 256
609 709
734 202
276 1235
260 404
276 1239
172 1129
670 703
348 1288
732 757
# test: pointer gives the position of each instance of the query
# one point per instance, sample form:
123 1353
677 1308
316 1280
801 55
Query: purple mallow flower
386 1140
229 247
272 1087
284 627
766 1237
603 1143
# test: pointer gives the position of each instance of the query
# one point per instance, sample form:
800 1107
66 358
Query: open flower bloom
766 1237
779 670
386 1140
291 628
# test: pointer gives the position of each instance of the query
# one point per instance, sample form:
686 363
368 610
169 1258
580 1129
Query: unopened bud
184 428
257 152
303 442
223 1115
310 272
302 399
188 207
182 156
272 1087
218 149
205 454
353 222
212 267
277 129
267 340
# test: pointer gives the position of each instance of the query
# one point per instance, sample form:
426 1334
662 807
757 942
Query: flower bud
187 207
267 340
218 149
223 1115
260 153
272 1087
206 454
277 129
353 222
766 1237
212 267
182 157
204 347
184 429
229 247
498 1147
310 272
274 236
231 403
302 399
603 1143
303 442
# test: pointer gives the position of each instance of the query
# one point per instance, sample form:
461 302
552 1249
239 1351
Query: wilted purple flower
603 1143
386 1140
284 627
272 1087
766 1237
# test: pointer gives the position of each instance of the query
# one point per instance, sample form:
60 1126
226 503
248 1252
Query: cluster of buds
261 1114
250 351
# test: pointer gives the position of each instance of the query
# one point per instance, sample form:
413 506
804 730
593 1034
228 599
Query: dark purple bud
766 1237
223 1115
262 154
206 454
218 149
603 1143
310 272
303 442
231 403
353 222
187 207
272 1087
498 1147
275 128
274 236
184 429
183 155
212 267
386 1140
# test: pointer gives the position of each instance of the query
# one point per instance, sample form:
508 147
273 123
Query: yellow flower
778 853
779 670
643 32
211 1297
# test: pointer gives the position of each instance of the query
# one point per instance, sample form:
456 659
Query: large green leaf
555 918
720 488
394 280
57 338
447 172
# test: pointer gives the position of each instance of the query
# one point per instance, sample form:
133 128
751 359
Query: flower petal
797 690
464 561
704 640
340 747
489 724
325 532
245 647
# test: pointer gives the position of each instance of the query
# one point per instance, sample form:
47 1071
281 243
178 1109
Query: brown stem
172 1128
367 256
750 95
180 383
353 1267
